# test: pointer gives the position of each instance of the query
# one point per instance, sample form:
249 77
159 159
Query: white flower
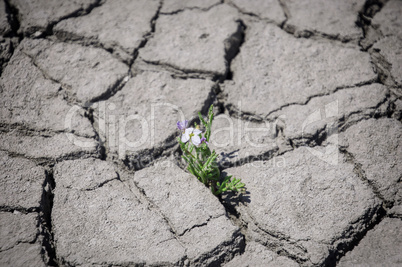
193 134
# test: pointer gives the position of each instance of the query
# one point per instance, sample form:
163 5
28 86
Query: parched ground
308 102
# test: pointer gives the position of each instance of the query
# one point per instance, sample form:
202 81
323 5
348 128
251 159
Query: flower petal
189 131
182 125
197 132
179 126
196 140
185 137
204 140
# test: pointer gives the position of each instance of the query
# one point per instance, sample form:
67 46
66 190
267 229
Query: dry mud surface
308 103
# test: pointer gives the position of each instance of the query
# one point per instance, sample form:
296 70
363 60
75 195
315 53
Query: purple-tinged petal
182 125
204 140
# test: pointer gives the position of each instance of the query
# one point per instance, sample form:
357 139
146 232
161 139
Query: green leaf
202 120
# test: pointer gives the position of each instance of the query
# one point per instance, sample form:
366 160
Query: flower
182 125
193 135
204 140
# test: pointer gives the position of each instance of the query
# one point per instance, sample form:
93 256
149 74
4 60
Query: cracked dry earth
308 103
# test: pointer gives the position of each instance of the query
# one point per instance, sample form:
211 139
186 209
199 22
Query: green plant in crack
202 163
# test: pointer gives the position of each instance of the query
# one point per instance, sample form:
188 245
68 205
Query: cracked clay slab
168 187
118 25
37 15
331 18
275 69
377 146
23 254
55 147
237 140
304 206
17 228
31 100
106 224
20 240
391 50
194 40
87 73
256 254
380 247
170 6
269 10
195 214
329 112
129 225
21 182
389 22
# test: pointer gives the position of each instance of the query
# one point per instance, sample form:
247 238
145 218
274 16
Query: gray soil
308 102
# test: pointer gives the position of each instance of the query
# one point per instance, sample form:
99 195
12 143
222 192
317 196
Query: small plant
201 161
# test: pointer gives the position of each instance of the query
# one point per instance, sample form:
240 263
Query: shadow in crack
231 201
234 198
225 158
